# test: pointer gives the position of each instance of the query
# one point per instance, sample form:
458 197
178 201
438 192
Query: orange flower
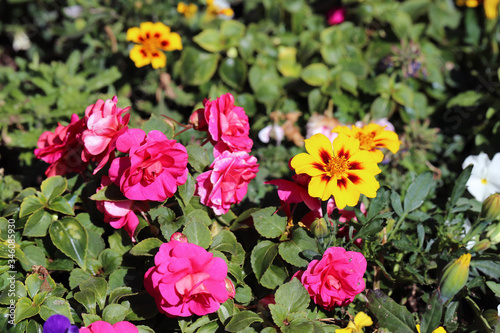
187 10
152 39
372 138
340 169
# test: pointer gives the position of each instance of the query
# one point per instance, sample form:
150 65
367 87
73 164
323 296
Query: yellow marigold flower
340 169
491 8
219 8
372 138
152 39
187 10
361 320
440 329
468 3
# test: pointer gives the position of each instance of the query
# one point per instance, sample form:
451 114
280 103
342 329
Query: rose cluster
226 182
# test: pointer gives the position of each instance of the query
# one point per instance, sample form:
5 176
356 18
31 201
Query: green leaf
53 187
186 190
465 99
242 320
396 203
210 40
156 123
268 224
198 233
232 31
275 275
197 67
25 309
70 237
30 205
315 74
103 79
292 249
144 247
378 203
61 205
495 287
87 299
197 157
110 260
390 315
432 316
33 327
33 284
224 241
293 296
459 187
142 306
111 192
37 224
55 305
233 72
262 257
381 107
403 94
114 313
19 291
77 276
99 287
349 82
418 191
89 318
34 256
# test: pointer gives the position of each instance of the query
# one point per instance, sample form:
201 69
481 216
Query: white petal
482 161
478 189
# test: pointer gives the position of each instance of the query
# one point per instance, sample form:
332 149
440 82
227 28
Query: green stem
396 227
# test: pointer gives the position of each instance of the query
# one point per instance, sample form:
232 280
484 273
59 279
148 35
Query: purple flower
59 324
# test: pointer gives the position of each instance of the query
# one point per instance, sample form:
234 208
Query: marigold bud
491 207
491 317
454 277
319 228
493 233
481 246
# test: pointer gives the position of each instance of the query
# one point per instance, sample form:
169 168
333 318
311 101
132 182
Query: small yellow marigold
219 8
339 168
440 329
151 39
187 10
361 320
372 138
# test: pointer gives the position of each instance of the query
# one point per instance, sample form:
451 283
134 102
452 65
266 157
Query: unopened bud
493 233
454 277
230 288
492 317
491 207
481 246
179 236
319 228
198 121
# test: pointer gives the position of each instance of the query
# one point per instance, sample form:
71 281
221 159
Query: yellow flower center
365 140
337 166
484 181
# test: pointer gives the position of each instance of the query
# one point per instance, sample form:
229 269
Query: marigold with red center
372 138
340 169
152 39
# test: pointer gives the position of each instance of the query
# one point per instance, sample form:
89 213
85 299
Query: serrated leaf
53 187
109 193
99 287
144 247
114 313
69 236
224 241
110 260
390 315
25 309
197 157
417 192
30 205
55 305
262 257
61 205
242 320
198 233
37 224
268 224
186 190
291 250
275 275
87 299
293 296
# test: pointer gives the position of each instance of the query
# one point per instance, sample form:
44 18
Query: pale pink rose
187 280
121 214
335 279
295 192
154 168
62 148
228 126
227 180
105 327
345 216
105 123
336 15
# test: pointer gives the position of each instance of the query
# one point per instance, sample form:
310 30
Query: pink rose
105 123
335 279
227 124
121 214
336 15
187 280
105 327
227 180
62 149
154 168
296 192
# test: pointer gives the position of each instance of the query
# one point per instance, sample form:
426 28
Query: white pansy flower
485 177
272 131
